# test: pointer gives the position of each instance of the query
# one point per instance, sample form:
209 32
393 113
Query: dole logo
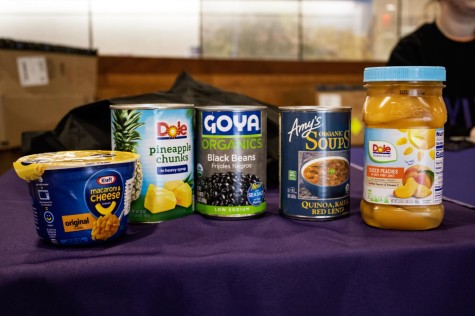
381 149
106 180
166 131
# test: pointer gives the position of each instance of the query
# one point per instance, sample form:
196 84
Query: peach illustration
421 174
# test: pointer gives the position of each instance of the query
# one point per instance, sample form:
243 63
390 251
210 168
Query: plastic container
79 197
404 115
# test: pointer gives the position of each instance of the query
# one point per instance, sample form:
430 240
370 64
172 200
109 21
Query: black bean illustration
225 189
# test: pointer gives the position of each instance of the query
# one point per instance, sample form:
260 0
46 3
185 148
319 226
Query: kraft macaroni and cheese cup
79 197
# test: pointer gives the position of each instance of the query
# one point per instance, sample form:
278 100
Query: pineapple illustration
124 133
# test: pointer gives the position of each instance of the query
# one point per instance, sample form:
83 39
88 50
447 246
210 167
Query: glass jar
404 115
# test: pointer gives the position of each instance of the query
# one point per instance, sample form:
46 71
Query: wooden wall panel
276 82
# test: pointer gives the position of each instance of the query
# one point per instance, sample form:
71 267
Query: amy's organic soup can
231 161
79 197
164 178
314 162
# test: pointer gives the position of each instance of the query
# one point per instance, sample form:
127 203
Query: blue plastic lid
404 73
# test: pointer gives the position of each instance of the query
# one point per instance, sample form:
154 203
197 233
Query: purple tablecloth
266 266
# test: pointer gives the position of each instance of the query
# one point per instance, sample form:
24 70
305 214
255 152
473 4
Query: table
266 266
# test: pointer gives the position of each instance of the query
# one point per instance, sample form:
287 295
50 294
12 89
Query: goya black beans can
315 162
231 161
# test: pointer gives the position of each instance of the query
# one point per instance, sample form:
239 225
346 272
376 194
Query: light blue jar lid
404 73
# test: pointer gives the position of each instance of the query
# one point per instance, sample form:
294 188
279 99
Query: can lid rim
150 106
231 107
320 108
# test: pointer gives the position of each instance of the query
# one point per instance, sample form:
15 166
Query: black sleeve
408 52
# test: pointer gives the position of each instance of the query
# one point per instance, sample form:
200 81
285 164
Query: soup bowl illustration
327 177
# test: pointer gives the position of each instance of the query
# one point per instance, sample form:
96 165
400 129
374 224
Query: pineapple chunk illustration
184 195
182 191
172 185
158 200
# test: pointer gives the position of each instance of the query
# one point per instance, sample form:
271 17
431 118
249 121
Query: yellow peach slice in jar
392 111
402 218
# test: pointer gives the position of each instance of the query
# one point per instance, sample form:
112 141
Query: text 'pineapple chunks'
182 191
159 200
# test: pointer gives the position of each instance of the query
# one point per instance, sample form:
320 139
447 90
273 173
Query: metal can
231 161
164 177
314 150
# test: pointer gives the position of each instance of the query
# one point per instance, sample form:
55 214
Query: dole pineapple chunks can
164 177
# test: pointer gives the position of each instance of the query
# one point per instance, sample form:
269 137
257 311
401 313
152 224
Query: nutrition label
439 164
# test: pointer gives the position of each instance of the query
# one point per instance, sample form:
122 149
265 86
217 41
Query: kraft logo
166 131
381 149
106 180
232 123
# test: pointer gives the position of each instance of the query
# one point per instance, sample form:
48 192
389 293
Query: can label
231 163
403 166
315 163
82 205
164 180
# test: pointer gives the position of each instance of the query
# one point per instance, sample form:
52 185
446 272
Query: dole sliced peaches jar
404 115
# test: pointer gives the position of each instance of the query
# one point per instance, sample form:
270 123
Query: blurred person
448 42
